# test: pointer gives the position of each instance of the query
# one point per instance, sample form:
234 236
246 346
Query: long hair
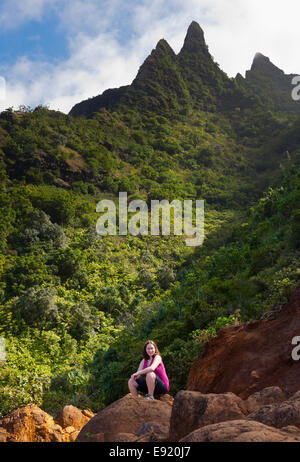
145 354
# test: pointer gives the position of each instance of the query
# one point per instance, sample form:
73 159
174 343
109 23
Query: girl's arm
156 362
137 373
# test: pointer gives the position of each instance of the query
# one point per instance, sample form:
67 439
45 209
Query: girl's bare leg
132 385
150 380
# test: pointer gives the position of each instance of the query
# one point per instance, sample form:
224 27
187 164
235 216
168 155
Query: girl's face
150 349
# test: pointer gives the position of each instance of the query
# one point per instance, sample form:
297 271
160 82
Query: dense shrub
36 307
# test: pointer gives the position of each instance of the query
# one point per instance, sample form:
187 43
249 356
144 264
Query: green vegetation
76 308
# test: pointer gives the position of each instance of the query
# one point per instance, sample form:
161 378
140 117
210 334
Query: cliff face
247 358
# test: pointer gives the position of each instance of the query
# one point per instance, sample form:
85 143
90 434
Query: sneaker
149 397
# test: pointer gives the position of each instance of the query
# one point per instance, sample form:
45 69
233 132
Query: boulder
193 410
240 431
270 395
279 415
30 424
71 416
125 415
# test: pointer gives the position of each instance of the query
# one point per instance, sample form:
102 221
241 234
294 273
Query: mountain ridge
201 84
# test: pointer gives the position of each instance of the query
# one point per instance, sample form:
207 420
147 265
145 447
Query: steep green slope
240 272
148 155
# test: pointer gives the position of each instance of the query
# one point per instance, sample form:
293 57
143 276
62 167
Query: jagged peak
259 56
194 39
194 28
162 45
261 61
258 59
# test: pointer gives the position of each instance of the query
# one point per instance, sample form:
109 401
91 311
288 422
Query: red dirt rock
71 416
247 358
192 410
30 424
124 416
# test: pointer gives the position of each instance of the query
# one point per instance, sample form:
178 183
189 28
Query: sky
59 52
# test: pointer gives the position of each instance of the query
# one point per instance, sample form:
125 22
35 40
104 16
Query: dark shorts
160 387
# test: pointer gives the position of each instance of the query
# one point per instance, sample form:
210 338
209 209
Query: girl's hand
134 376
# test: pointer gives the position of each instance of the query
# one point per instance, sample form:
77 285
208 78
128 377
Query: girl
153 368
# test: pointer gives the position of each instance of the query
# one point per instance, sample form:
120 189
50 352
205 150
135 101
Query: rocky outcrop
280 415
193 410
264 416
248 358
31 424
241 431
126 416
71 416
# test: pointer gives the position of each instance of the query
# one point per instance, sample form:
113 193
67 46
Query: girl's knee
132 382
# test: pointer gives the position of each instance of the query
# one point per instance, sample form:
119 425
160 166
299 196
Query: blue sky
36 39
58 52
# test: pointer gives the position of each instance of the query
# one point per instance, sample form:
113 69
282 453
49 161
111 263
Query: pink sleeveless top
160 371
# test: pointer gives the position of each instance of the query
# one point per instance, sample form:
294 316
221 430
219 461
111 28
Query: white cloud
108 40
15 12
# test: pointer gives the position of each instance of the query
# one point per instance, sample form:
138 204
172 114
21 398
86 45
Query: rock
73 436
166 399
279 415
270 395
291 429
57 434
239 431
88 413
244 359
152 432
30 424
3 435
72 416
151 438
125 416
151 427
69 430
193 410
121 438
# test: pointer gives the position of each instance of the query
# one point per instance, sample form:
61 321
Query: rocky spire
194 39
204 80
263 63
